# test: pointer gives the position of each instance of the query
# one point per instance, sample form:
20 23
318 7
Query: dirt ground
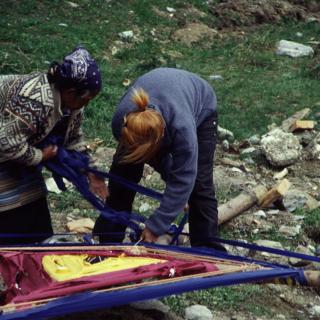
289 303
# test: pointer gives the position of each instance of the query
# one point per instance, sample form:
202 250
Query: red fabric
26 280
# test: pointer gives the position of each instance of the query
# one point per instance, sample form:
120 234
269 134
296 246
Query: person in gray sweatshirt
168 119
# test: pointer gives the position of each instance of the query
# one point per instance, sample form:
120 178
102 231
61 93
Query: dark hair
60 82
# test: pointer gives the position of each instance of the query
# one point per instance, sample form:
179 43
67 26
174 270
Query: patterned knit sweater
29 110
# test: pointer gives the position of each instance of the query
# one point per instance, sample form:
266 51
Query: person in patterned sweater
32 107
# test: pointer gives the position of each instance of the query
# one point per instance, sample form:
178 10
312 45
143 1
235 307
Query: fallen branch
286 124
299 125
241 203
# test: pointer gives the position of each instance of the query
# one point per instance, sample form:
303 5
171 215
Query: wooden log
286 124
275 193
302 125
241 203
230 162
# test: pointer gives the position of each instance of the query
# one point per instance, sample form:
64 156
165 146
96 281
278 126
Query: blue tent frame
94 300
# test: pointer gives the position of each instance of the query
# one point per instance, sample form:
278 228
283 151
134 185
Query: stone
273 212
280 148
198 312
248 151
225 134
126 35
260 214
315 311
255 139
294 199
171 10
215 77
225 145
280 175
152 304
290 231
269 243
293 49
313 149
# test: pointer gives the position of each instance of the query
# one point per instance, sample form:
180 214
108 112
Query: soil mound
254 12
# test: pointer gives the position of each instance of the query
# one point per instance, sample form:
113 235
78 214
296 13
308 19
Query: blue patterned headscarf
80 67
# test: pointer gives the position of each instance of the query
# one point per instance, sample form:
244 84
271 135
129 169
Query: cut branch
239 204
275 193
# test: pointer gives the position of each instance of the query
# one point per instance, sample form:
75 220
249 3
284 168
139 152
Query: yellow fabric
67 267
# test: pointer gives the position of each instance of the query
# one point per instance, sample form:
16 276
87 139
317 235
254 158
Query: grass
258 86
222 299
311 225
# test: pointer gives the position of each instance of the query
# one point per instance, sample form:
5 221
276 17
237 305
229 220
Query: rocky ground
240 166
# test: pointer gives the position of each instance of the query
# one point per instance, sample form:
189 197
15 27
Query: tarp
27 279
89 300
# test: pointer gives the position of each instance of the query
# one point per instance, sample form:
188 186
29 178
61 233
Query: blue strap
73 164
178 231
256 247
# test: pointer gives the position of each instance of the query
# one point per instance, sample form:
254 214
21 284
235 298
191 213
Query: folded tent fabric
72 266
27 280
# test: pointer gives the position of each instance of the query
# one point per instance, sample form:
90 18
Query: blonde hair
142 130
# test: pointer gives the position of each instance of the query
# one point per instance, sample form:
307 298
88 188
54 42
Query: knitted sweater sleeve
14 133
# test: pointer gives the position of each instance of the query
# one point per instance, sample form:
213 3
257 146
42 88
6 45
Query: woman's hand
98 186
49 152
148 236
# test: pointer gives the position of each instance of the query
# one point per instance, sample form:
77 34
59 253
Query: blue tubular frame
93 300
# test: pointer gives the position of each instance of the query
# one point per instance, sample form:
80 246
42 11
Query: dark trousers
32 218
203 214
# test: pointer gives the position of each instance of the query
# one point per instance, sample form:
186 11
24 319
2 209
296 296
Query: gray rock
290 231
293 49
198 312
269 243
294 199
280 148
305 137
313 149
215 77
260 214
255 139
225 134
152 304
225 145
171 10
126 35
315 311
280 175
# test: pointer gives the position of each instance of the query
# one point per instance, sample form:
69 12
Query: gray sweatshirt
185 101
